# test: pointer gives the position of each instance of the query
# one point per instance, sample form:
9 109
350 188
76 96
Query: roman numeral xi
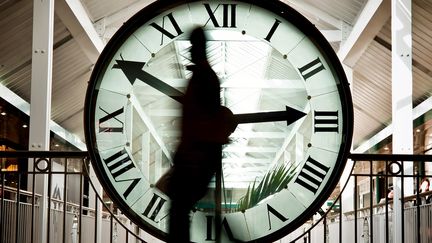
163 28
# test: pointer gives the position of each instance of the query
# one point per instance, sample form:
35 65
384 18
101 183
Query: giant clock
278 75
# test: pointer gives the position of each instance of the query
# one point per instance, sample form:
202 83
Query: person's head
198 49
424 185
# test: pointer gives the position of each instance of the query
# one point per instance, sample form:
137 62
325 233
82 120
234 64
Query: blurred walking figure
206 125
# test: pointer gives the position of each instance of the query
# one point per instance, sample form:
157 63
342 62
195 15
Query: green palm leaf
274 181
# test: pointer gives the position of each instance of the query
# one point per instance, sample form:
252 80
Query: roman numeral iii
326 121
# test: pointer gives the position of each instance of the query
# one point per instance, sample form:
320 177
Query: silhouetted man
203 133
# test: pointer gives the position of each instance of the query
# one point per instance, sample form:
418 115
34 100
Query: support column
40 103
401 101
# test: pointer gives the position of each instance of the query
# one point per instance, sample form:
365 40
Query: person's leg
181 204
179 223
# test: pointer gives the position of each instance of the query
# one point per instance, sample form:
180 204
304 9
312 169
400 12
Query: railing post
355 209
340 218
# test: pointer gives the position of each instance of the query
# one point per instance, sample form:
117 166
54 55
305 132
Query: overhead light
24 126
56 145
418 130
3 113
386 148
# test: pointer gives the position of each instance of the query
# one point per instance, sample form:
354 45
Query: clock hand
133 71
290 115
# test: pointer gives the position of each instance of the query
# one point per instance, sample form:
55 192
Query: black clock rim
158 7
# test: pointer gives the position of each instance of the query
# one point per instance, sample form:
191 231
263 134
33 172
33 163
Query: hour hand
134 70
290 115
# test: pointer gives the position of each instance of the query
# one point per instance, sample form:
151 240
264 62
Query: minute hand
133 71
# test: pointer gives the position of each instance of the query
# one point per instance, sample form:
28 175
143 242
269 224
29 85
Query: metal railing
356 225
73 218
69 216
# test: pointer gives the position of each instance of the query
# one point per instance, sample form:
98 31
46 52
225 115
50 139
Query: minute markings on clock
133 71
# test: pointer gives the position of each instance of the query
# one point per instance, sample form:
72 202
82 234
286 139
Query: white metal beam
250 149
124 14
108 25
418 111
40 104
24 106
402 103
245 161
251 134
371 20
74 16
301 5
147 121
289 138
332 35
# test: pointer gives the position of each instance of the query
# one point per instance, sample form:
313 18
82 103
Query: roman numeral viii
163 29
312 175
111 119
228 15
118 164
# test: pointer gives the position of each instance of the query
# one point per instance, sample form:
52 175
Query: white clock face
268 59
